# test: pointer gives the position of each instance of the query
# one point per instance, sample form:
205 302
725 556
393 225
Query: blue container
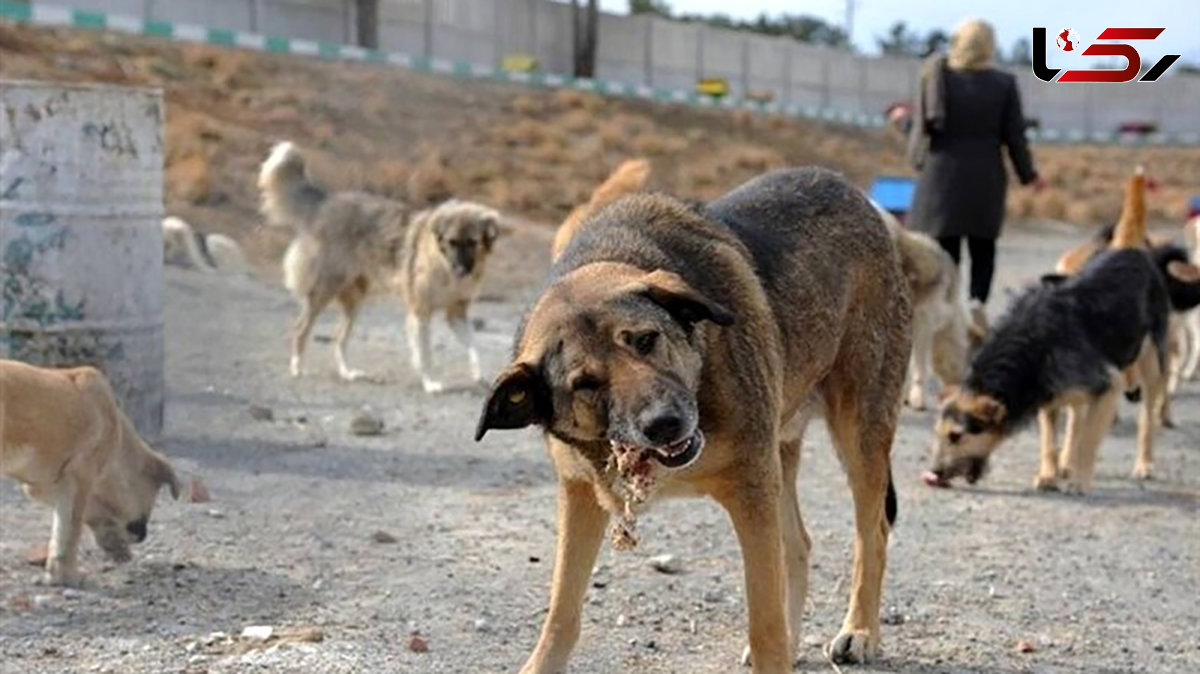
894 193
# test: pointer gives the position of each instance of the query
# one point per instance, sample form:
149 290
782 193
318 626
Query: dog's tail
1131 228
630 177
289 196
180 240
890 507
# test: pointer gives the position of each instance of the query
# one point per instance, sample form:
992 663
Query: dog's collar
578 442
596 451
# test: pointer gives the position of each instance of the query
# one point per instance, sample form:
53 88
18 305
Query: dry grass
533 153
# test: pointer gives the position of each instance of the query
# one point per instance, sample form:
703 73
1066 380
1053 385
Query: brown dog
681 350
628 178
63 436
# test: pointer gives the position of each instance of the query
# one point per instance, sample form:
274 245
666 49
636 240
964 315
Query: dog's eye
973 426
586 382
645 342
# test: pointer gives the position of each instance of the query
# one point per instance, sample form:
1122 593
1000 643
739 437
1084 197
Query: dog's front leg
63 554
581 526
1047 477
754 511
1068 459
1099 420
417 327
456 317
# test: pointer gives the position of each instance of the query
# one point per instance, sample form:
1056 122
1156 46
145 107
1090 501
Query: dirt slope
533 153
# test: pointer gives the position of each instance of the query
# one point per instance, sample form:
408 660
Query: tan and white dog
63 436
348 242
1191 320
942 334
184 246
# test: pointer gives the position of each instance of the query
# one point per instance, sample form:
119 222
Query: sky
1012 19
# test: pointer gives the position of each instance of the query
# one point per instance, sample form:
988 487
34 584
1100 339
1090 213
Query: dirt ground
363 540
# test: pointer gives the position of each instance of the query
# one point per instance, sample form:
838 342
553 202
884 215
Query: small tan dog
63 436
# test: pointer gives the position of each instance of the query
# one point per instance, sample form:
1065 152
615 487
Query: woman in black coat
965 111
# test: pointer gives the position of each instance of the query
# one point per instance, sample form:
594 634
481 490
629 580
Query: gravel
993 578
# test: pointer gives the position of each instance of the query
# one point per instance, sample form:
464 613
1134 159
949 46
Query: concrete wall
661 53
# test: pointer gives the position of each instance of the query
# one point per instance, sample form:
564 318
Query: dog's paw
856 647
350 374
1046 483
916 399
745 659
1142 472
432 386
1074 487
1168 421
62 576
295 369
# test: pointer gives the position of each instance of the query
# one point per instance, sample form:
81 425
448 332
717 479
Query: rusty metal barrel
81 202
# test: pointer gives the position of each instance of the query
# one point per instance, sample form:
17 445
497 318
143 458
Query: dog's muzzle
137 529
674 456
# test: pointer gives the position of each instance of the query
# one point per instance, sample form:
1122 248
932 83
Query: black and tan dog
680 350
1071 342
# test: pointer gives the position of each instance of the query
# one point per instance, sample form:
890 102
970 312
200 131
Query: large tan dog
63 436
346 242
681 350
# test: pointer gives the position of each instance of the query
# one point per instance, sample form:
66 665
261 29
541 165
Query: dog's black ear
491 232
685 304
518 398
163 474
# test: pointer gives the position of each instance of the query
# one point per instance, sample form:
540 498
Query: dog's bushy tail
1131 228
630 177
890 507
180 240
289 197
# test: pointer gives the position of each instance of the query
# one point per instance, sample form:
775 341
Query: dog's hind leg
1047 477
350 299
70 501
460 325
922 348
310 308
1192 328
863 435
417 327
581 525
